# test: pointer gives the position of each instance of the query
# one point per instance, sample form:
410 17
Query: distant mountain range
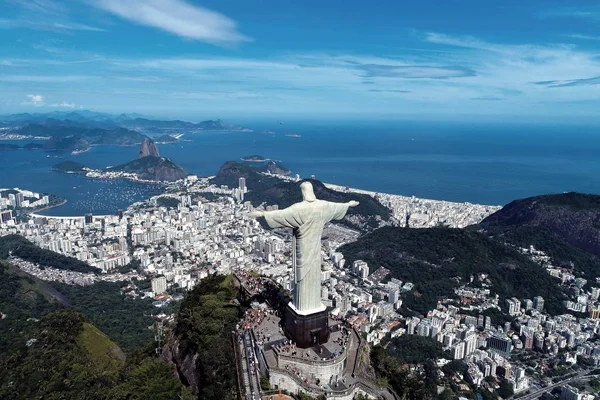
90 119
78 130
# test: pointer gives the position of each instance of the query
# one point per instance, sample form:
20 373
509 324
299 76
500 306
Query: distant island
70 167
167 139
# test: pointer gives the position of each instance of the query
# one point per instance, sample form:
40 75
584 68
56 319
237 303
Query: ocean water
478 163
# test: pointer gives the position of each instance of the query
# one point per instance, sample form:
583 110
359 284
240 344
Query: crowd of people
253 284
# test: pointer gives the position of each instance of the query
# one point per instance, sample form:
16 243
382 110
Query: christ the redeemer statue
307 219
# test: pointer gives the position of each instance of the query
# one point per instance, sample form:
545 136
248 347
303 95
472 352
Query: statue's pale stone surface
307 219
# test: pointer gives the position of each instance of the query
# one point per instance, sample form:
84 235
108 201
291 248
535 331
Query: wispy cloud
572 12
43 78
40 6
388 91
415 71
179 18
64 104
458 41
570 83
486 98
74 26
140 78
43 25
583 37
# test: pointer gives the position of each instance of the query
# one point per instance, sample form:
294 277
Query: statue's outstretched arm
256 214
286 218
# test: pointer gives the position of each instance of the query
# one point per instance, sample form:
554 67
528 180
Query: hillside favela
266 200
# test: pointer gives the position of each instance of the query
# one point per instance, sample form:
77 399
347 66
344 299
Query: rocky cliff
179 355
148 148
200 344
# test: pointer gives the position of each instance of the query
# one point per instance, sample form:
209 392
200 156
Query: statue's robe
307 219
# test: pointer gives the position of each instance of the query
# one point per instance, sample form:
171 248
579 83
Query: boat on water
294 135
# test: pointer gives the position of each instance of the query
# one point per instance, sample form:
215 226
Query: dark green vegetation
415 349
69 167
24 249
574 217
431 258
271 190
275 167
564 226
21 297
124 319
393 372
69 358
152 168
231 171
204 325
166 201
563 253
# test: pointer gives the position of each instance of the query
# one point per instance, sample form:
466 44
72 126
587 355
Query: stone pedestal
306 330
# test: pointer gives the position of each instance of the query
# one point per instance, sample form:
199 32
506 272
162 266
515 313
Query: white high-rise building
159 285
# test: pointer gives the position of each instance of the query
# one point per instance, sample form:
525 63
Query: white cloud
34 100
40 6
140 78
74 26
43 78
583 37
179 18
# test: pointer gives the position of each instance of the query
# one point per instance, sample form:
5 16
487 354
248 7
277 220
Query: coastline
33 213
332 186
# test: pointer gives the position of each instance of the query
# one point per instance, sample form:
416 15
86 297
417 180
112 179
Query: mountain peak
148 148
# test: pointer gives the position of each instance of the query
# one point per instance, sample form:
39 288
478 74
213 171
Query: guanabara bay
299 200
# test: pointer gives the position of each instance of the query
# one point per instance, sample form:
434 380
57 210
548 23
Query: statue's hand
256 214
353 203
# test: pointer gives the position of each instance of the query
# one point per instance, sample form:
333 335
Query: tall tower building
19 198
242 184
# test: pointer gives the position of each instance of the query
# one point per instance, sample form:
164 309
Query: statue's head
307 191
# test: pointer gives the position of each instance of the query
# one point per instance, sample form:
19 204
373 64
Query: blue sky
527 60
